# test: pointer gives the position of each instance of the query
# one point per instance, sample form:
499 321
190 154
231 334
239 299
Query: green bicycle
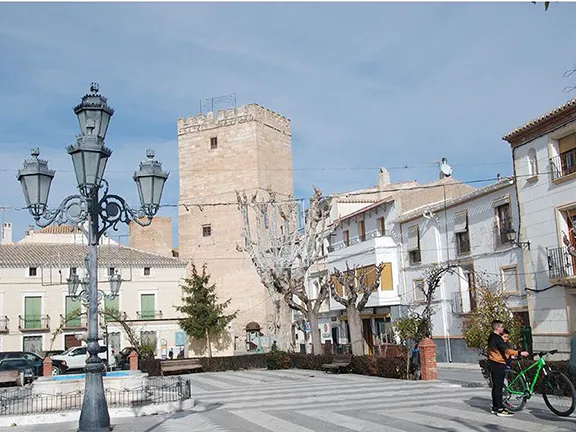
557 389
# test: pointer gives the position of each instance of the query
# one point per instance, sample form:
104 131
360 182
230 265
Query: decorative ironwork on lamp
511 237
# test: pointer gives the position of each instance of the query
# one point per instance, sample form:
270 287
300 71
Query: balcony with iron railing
149 315
4 328
34 323
564 164
561 264
355 240
76 323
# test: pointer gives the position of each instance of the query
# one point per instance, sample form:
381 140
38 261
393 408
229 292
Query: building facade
37 314
544 156
242 149
469 232
365 233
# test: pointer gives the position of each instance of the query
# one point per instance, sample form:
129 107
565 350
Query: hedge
389 367
233 363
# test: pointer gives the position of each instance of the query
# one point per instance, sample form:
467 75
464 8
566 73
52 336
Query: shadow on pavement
198 409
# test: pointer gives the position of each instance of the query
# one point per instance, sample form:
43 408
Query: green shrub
233 363
151 367
391 367
278 360
310 361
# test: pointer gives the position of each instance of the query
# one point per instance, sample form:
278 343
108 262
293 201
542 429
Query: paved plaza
306 401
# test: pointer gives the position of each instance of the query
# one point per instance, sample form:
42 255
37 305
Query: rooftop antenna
445 169
209 104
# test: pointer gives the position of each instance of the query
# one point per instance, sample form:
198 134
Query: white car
76 357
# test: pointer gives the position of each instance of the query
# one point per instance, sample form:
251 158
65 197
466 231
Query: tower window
213 143
206 230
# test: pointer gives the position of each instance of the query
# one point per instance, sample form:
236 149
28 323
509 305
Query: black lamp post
100 211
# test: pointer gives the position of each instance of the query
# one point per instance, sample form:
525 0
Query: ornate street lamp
93 210
35 178
511 237
150 181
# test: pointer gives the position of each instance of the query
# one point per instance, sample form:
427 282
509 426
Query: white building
365 234
34 294
470 232
544 155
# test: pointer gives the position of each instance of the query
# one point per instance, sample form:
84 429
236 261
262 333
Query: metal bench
180 366
340 362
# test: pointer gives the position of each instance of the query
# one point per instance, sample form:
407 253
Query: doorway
70 341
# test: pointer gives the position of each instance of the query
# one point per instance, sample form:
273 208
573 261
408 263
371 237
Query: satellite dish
445 169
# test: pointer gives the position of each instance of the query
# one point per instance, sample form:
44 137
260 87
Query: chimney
6 233
383 178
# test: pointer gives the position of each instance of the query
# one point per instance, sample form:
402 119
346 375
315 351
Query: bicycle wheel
514 391
559 394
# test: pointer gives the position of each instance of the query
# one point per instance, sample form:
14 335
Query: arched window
532 163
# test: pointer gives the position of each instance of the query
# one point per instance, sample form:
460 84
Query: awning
413 239
461 222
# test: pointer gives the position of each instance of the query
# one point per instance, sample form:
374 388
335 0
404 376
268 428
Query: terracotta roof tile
60 229
532 123
72 255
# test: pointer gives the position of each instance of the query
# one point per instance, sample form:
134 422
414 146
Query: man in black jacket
498 352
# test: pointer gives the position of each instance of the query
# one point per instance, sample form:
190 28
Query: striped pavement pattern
311 401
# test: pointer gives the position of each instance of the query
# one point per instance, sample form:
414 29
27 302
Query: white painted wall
552 312
438 245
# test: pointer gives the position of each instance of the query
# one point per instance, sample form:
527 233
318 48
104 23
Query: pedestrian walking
498 352
171 354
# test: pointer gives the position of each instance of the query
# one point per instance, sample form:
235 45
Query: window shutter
338 286
461 222
386 281
413 239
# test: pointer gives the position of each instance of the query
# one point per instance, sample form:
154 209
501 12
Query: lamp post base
94 416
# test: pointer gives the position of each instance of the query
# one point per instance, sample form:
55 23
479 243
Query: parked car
58 366
21 365
76 357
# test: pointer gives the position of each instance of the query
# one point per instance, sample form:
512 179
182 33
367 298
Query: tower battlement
232 116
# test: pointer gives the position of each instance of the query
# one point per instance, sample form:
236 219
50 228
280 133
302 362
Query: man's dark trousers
498 372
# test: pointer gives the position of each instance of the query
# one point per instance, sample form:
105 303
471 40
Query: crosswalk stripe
424 420
351 423
321 393
488 418
340 402
325 385
212 383
269 422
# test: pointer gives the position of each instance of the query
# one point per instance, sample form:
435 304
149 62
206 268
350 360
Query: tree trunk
283 324
208 344
355 323
316 340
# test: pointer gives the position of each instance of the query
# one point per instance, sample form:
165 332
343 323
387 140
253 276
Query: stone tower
248 148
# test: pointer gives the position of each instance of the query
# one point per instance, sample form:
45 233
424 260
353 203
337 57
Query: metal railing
34 323
563 164
355 240
4 325
157 390
149 315
73 323
560 263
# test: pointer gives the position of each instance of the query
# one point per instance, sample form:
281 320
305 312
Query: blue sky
365 85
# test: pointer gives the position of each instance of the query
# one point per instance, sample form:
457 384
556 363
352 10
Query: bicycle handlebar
545 353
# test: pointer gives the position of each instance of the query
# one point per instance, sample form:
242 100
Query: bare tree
433 276
282 255
356 291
